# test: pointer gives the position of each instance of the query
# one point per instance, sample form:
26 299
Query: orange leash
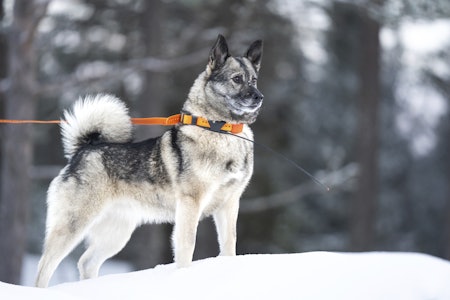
172 120
2 121
169 121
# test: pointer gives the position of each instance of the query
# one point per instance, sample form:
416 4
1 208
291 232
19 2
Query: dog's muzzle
254 95
246 103
252 99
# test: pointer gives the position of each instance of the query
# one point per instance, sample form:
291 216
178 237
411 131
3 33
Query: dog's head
229 84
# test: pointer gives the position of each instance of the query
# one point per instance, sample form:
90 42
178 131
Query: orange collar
217 126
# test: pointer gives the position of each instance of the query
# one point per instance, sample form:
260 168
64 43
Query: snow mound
313 275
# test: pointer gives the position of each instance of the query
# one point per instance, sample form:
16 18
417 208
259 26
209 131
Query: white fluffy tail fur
99 118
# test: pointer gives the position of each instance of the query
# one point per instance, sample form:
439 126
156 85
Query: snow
311 275
425 37
67 270
422 105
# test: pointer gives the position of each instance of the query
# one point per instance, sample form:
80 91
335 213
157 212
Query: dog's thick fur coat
112 185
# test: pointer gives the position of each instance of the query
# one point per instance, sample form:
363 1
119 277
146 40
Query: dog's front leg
225 219
187 216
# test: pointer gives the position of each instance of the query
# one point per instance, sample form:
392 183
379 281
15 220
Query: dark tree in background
364 207
151 245
3 64
354 38
17 146
442 154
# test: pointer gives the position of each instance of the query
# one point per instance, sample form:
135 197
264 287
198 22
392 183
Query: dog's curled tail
95 119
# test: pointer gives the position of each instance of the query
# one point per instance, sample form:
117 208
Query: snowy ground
313 275
67 271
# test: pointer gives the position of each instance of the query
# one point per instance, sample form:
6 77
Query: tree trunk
150 102
365 202
151 242
447 222
17 142
446 161
3 69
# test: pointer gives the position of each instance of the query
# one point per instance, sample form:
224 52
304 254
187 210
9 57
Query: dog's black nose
255 95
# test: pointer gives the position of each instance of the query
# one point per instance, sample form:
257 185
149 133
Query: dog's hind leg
60 240
67 223
106 238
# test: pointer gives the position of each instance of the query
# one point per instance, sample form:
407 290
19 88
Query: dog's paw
183 264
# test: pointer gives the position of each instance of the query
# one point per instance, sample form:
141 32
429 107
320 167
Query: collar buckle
216 126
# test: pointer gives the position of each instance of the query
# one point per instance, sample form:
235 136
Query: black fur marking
217 75
158 166
246 161
176 147
244 67
75 164
134 161
229 165
93 138
128 161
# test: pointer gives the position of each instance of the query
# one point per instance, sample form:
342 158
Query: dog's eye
238 79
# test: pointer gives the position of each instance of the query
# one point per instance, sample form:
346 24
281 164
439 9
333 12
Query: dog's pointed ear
219 53
254 54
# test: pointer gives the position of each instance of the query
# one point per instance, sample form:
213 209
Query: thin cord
317 181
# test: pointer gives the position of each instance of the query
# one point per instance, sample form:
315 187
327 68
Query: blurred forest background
357 92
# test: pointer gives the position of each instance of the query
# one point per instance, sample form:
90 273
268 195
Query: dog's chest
224 158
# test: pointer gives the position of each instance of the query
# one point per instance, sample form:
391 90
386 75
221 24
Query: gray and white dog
112 185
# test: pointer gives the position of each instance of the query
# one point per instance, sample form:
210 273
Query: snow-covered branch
40 11
100 71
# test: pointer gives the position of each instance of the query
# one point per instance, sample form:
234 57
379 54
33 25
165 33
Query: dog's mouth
241 108
247 105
